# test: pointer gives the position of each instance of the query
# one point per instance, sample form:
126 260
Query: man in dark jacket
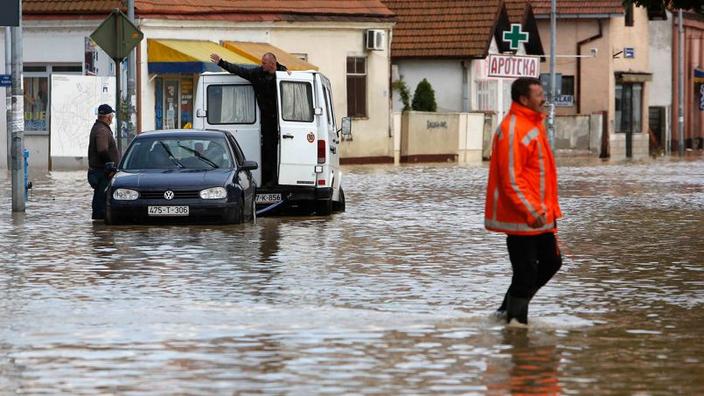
102 149
263 79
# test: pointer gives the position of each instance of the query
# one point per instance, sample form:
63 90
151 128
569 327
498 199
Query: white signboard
513 66
74 103
564 100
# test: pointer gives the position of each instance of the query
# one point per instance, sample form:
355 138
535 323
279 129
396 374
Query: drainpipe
8 95
680 83
579 65
465 86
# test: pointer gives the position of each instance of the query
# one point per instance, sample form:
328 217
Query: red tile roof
443 28
217 9
30 7
517 10
541 8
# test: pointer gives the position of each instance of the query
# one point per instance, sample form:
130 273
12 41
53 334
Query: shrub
424 97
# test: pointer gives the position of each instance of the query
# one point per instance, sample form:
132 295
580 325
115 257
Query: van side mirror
200 113
346 126
249 165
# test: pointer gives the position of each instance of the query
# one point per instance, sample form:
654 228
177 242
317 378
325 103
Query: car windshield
178 153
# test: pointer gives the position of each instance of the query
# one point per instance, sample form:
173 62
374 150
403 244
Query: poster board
74 108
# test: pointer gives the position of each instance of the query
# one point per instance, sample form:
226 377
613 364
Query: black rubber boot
517 308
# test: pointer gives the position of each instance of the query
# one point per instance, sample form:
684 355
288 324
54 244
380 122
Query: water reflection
391 297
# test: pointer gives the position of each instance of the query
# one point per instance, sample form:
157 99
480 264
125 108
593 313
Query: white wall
661 53
445 76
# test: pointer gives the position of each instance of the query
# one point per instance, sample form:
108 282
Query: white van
308 158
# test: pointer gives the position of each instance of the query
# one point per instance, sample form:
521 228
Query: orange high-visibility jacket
522 176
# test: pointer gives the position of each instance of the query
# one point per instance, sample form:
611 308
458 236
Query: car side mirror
249 165
200 113
346 127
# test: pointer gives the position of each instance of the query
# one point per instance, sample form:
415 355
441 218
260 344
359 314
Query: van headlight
213 193
124 194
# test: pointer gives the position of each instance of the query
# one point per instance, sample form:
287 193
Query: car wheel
323 207
339 206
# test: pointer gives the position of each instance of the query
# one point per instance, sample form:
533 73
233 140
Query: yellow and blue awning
188 56
254 51
193 56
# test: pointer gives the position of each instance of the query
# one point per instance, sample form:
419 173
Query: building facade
321 34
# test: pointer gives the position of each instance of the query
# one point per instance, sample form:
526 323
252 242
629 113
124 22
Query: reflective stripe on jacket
522 176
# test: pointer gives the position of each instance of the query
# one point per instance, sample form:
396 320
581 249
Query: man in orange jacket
521 199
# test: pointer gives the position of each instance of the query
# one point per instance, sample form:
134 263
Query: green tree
424 97
403 92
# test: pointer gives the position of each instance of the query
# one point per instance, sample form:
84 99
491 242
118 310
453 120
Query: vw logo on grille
169 195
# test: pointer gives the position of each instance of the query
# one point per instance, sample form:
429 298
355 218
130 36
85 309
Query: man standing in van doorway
521 199
263 79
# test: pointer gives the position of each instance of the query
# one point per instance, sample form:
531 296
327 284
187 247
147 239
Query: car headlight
213 193
123 194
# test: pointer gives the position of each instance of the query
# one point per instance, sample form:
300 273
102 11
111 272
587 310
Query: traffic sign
5 80
117 35
10 15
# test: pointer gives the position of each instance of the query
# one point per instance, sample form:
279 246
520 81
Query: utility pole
553 77
8 95
131 73
17 123
680 62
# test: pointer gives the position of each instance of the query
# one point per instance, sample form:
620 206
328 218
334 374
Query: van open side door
298 123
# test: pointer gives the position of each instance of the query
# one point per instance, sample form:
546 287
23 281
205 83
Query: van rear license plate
267 198
167 210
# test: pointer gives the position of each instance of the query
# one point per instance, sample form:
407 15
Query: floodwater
392 297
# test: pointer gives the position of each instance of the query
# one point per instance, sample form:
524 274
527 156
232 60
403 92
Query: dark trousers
270 140
99 182
534 259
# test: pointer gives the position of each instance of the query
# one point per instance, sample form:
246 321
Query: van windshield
231 104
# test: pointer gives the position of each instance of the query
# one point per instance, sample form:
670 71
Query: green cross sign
515 36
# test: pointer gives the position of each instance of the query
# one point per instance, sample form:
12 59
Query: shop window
37 94
357 87
487 95
629 102
174 102
36 103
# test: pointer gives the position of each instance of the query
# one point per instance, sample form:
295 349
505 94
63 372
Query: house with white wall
328 35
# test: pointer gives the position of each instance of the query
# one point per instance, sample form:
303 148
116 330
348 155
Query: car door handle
288 136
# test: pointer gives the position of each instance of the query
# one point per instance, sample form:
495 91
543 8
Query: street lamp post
553 76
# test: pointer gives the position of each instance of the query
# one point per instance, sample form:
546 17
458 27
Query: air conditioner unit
374 40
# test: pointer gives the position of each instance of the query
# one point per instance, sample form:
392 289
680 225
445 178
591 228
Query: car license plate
167 210
267 198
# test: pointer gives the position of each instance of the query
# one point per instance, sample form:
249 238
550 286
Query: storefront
174 67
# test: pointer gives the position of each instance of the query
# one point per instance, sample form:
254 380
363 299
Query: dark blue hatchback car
183 176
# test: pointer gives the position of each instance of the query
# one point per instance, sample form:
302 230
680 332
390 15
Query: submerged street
393 296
